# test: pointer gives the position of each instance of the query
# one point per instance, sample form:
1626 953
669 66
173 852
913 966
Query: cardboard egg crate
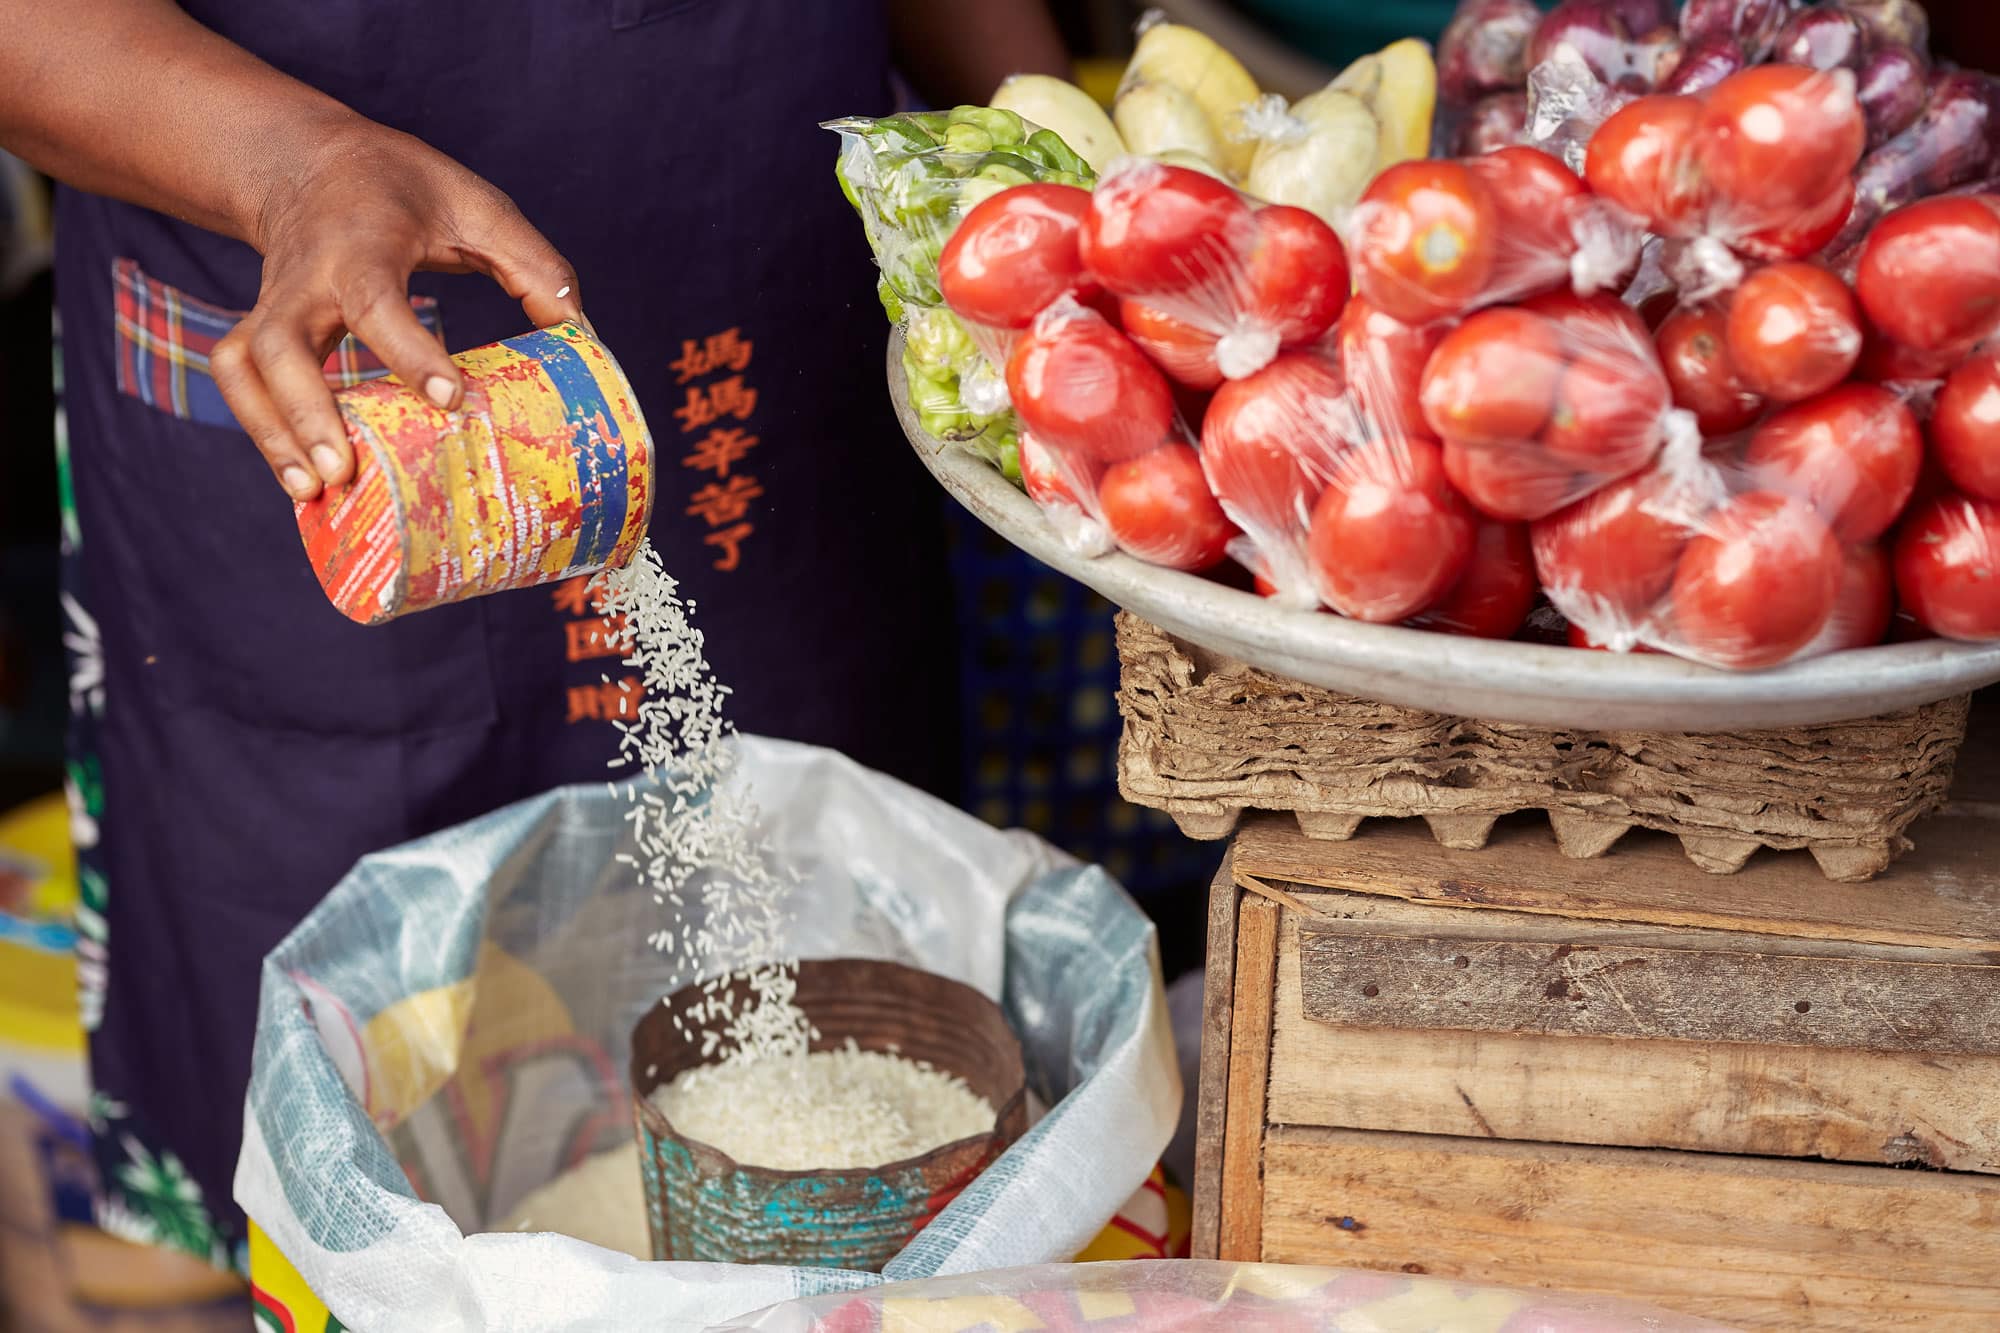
1207 738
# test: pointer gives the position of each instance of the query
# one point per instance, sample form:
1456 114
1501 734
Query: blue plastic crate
1039 672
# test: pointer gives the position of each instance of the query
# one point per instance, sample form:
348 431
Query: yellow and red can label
544 473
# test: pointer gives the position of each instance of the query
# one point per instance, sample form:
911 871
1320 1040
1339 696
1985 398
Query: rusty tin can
704 1205
544 473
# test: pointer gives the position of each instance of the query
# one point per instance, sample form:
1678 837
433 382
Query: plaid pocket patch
165 336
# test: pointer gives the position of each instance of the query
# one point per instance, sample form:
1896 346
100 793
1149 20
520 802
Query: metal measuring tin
704 1205
544 473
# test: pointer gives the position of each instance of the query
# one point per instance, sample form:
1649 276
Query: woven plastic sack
447 1031
1193 1294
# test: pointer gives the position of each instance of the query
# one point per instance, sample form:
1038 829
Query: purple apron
237 744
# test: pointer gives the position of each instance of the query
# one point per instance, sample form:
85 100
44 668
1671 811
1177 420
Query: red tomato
1177 347
1493 378
1587 320
1854 452
1389 537
1492 598
1694 351
1384 359
1046 477
1929 274
1158 230
1531 202
1083 387
1948 567
1014 254
1642 159
1296 282
1611 555
1775 140
1608 410
1884 361
1863 607
1271 440
1512 484
1425 234
1794 331
1806 234
1159 509
1965 427
1757 584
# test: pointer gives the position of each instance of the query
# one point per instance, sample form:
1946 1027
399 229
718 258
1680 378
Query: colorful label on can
544 473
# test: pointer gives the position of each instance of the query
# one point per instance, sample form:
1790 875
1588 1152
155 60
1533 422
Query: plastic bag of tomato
1704 394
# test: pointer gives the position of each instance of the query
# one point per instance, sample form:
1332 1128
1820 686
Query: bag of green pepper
911 177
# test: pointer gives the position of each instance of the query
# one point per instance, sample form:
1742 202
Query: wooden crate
1206 739
1777 1107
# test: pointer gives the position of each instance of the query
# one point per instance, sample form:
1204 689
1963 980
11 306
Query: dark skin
134 100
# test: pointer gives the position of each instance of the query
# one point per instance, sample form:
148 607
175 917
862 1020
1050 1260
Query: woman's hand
340 239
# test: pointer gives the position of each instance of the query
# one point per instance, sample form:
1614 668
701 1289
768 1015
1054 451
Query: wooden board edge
1241 1224
1212 1088
1292 877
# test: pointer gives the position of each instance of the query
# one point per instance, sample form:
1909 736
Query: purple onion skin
1485 48
1892 23
1655 57
1956 140
1495 121
1893 86
1821 39
1643 15
1705 64
1598 32
1753 24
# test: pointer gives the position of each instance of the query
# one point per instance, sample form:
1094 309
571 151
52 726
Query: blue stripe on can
600 455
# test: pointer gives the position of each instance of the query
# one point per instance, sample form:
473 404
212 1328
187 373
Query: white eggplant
1068 110
1319 157
1156 118
1183 58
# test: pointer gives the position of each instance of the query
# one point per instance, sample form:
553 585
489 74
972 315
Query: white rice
839 1108
694 839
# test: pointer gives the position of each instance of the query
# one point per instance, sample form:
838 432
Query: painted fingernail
438 389
326 462
298 481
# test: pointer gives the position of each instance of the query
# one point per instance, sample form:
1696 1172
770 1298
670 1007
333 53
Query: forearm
959 50
133 99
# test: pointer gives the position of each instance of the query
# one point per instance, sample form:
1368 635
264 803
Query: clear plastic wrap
1109 459
1965 427
1928 276
1336 510
1758 167
1186 1295
1539 404
1222 282
912 178
1952 141
1439 238
1749 552
1947 566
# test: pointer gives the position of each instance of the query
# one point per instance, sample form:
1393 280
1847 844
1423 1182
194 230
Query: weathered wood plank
1249 1071
1212 1092
1774 1101
1752 1243
1495 985
1945 894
